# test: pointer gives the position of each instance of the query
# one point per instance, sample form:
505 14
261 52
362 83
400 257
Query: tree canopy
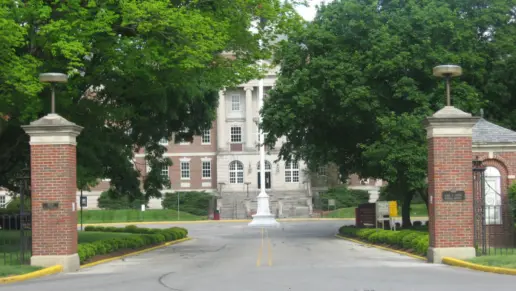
139 71
356 83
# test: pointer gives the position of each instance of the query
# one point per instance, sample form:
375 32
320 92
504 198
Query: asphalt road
300 256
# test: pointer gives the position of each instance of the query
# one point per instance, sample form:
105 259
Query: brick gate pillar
451 223
53 192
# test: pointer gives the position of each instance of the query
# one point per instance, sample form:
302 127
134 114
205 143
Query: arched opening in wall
493 196
268 181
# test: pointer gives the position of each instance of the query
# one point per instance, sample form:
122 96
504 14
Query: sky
308 13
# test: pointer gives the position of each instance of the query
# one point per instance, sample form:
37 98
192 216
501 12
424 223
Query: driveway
300 256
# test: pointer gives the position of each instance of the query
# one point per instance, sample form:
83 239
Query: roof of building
488 132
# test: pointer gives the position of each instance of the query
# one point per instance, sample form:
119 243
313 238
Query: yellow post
393 208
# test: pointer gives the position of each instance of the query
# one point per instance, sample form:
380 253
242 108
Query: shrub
109 201
344 197
141 237
196 203
415 241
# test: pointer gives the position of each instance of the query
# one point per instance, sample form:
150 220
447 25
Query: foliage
107 200
142 237
194 202
139 71
512 199
344 197
411 240
356 83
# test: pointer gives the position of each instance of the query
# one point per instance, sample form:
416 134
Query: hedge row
410 240
142 237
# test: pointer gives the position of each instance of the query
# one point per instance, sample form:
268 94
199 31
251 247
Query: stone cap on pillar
52 129
450 122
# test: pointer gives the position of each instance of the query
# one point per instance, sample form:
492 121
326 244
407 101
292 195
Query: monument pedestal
450 184
53 193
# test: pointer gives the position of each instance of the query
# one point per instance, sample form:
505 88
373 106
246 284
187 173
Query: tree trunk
405 210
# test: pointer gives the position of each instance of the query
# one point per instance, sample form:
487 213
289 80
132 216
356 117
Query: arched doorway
493 198
268 181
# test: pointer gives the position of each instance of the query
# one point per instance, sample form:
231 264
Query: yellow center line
270 248
258 261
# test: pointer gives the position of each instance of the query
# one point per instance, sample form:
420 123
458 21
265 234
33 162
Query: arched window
268 166
292 172
493 198
236 172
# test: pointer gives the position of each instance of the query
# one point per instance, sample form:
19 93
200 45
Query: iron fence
494 216
15 239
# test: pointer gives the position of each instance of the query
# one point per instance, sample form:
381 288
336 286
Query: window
163 141
292 172
206 169
164 171
206 137
267 166
236 134
2 201
236 172
235 103
185 170
321 171
184 142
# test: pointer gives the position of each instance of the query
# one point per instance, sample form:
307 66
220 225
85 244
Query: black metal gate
494 231
16 226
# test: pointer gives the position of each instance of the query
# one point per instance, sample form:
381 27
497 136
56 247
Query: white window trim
205 160
239 97
209 136
236 173
4 204
292 170
168 172
181 162
241 134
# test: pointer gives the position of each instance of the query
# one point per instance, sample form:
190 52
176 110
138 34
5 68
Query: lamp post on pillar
450 177
54 186
447 72
53 78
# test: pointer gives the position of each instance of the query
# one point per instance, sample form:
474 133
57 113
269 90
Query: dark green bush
196 203
141 237
344 197
108 201
413 240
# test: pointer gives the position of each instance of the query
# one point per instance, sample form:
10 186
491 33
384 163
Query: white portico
238 157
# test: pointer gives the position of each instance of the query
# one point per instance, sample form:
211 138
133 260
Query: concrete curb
477 267
135 253
383 248
32 275
222 221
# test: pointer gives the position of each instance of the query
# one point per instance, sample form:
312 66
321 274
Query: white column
249 117
221 121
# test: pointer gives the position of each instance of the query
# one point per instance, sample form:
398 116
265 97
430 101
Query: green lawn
9 249
417 210
504 261
134 215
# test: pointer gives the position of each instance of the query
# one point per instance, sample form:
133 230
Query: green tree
356 83
139 71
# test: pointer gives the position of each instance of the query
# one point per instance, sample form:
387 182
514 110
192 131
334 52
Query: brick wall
53 178
450 169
